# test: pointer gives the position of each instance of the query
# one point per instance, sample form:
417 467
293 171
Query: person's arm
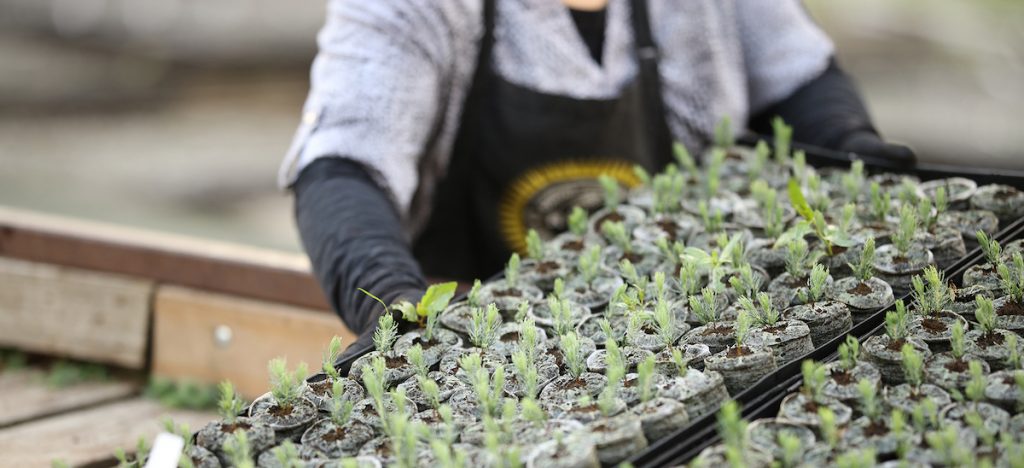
382 83
791 73
354 240
828 112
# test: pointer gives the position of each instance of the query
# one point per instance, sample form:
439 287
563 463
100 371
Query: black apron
522 159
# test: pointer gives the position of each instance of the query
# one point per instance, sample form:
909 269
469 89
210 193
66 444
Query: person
437 131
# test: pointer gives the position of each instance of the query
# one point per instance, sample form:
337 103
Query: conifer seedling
473 296
761 155
230 404
287 455
975 388
285 386
814 375
791 449
849 352
897 322
985 314
913 365
684 158
526 372
512 270
533 413
330 357
733 430
589 263
238 451
373 375
612 191
904 235
385 334
881 202
682 364
990 247
528 339
572 351
415 357
865 268
764 313
705 306
869 404
483 330
534 246
665 324
797 257
616 233
645 371
578 221
742 328
340 408
1011 276
430 390
817 283
745 283
783 137
827 423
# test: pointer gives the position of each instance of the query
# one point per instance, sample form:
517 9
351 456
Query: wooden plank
27 396
64 311
203 264
187 324
91 435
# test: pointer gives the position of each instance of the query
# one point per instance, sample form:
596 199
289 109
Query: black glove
364 343
870 144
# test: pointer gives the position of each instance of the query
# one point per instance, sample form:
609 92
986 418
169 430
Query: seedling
925 415
483 328
1011 276
415 357
881 202
957 342
705 306
572 351
489 387
791 449
141 454
865 267
977 423
606 401
783 137
913 365
287 455
561 313
665 323
904 235
945 442
689 279
773 215
931 292
1013 361
238 451
907 192
869 404
683 157
815 375
645 371
853 180
426 311
340 408
286 387
230 404
764 312
430 390
526 372
975 389
668 190
528 339
578 221
613 355
898 429
827 423
745 283
642 175
797 258
829 235
713 176
849 351
473 297
616 233
862 458
612 191
385 334
799 165
633 277
373 379
672 253
897 322
534 246
589 263
742 328
682 364
761 155
445 456
817 283
404 435
330 357
733 430
512 270
990 247
532 412
724 137
713 220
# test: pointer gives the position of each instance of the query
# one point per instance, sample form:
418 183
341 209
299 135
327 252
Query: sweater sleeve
352 234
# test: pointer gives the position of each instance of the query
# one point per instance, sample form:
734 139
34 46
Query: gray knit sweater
391 75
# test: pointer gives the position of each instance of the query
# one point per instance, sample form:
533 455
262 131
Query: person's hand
870 144
364 342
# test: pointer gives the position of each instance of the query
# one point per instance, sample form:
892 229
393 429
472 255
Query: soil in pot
701 392
898 268
865 433
319 390
566 388
785 288
1001 389
964 303
458 317
1009 315
334 441
645 257
629 391
397 367
591 328
935 329
542 273
906 397
842 383
212 436
632 356
862 298
798 408
825 319
647 336
629 216
716 335
741 366
675 227
546 372
693 354
660 417
617 438
885 354
1005 201
763 434
365 411
447 385
949 372
594 294
947 245
507 297
787 340
441 341
287 421
584 411
991 346
994 418
572 452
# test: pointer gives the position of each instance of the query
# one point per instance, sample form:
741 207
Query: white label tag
166 451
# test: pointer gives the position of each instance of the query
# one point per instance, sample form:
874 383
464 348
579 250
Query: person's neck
586 5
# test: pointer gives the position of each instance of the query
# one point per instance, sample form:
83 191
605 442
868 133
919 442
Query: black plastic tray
764 397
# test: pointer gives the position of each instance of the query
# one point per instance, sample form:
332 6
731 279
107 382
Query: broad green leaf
796 197
798 231
436 298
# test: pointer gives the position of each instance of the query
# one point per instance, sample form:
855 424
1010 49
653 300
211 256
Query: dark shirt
591 25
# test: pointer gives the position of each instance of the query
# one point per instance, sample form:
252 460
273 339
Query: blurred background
174 114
